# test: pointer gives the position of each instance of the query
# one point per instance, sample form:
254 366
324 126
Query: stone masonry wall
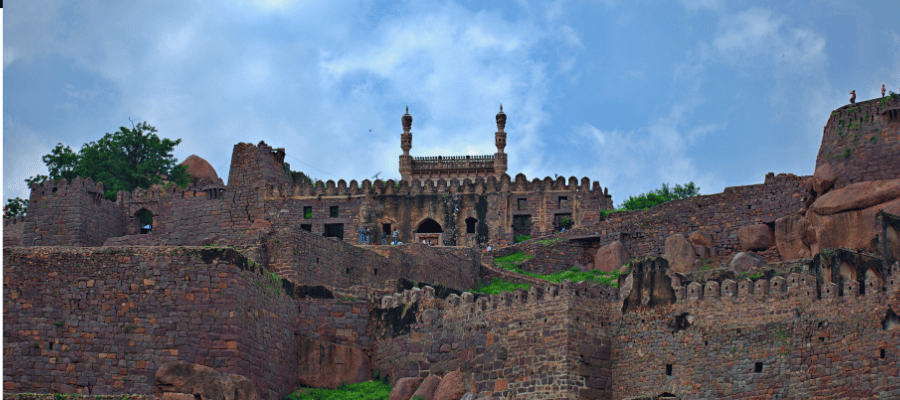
13 228
761 339
860 143
518 344
73 213
102 320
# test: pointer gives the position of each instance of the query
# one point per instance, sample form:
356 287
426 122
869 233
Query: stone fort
784 289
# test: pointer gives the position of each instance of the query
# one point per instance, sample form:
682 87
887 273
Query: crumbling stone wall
102 320
13 228
862 142
62 213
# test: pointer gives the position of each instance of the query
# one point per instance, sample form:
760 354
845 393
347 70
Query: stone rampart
13 228
62 213
862 141
102 320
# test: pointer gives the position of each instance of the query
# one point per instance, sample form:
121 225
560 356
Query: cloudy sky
629 93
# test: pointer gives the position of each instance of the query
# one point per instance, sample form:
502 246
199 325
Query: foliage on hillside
656 197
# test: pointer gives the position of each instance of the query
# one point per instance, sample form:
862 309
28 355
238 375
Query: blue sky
629 93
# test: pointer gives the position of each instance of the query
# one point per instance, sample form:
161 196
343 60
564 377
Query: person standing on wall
383 238
368 236
362 235
396 236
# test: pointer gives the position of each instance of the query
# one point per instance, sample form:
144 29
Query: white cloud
694 5
28 146
756 32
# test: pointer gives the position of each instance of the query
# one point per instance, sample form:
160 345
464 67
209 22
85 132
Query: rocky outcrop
327 365
846 217
428 387
404 388
823 179
745 261
789 235
201 172
680 254
611 257
451 387
756 237
202 382
700 238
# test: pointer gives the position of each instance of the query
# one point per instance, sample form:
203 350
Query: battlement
10 222
391 187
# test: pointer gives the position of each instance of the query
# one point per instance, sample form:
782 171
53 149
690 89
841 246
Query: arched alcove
470 224
144 220
429 226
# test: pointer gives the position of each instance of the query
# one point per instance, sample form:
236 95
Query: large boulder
680 254
700 238
428 387
745 261
200 170
327 365
789 236
756 237
451 387
404 388
823 179
611 257
846 217
202 382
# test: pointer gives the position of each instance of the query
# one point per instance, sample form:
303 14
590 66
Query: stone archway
430 231
142 221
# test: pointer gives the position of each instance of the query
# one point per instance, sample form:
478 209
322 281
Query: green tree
124 160
655 197
15 207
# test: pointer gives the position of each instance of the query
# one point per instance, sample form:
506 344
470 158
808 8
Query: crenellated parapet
489 185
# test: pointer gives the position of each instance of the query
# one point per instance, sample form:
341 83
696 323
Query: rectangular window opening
881 354
563 202
520 204
758 367
334 230
668 369
306 227
334 212
307 212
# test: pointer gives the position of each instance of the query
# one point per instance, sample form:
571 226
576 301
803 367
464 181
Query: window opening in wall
561 221
758 367
429 226
386 229
334 230
520 204
881 354
749 206
522 225
317 260
470 225
375 271
145 220
563 202
348 271
669 369
334 212
307 212
306 227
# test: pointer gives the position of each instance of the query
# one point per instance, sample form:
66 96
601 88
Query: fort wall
862 141
104 319
13 229
73 213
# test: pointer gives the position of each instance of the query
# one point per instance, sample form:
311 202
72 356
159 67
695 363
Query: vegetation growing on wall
655 197
371 390
511 263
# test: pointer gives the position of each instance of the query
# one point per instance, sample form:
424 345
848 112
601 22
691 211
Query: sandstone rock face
756 237
202 382
745 261
428 387
611 257
680 254
789 237
823 179
451 387
200 170
700 238
845 217
327 365
404 388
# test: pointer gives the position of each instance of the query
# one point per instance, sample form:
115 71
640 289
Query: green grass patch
511 263
498 286
521 238
371 390
548 242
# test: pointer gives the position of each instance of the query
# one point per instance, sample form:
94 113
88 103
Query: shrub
655 197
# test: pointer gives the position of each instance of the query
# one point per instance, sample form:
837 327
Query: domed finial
501 107
406 119
407 109
501 119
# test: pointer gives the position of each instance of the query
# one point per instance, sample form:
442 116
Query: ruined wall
62 213
258 166
13 228
862 141
453 267
773 338
104 320
521 343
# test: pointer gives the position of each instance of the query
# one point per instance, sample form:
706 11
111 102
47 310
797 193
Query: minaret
406 144
500 140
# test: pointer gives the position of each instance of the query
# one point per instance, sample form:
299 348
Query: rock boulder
327 365
611 257
428 387
745 261
200 170
202 382
789 237
700 238
823 179
404 388
846 217
680 254
451 387
756 237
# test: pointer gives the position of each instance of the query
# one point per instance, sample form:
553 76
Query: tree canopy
15 207
124 160
655 197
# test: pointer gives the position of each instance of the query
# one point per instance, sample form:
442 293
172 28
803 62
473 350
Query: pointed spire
501 107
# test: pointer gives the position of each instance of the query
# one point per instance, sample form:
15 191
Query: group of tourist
365 237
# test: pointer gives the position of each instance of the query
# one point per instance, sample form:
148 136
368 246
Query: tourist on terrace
362 235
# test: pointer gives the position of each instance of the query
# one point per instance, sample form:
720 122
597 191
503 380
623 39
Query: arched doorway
429 231
144 220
